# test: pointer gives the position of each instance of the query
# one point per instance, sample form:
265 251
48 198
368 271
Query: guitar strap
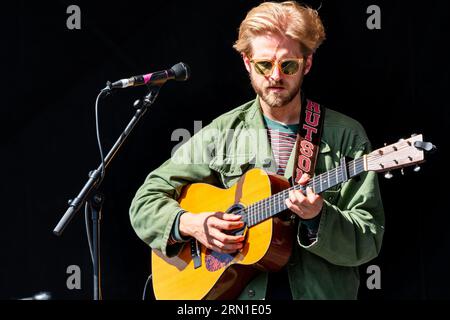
309 134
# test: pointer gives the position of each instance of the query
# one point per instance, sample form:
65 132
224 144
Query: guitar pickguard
215 260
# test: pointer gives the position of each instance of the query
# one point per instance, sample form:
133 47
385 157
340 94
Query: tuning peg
388 175
402 172
416 168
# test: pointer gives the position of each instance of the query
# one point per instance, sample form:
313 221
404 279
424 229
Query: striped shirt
282 139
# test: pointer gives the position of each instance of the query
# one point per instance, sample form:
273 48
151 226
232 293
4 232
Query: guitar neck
269 207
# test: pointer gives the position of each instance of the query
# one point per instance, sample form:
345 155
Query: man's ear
247 62
308 63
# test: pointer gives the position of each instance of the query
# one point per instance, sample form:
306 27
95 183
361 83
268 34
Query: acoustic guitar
259 197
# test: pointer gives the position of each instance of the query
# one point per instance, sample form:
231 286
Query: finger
228 216
292 198
294 208
289 204
226 247
299 197
226 225
226 238
304 179
219 250
312 197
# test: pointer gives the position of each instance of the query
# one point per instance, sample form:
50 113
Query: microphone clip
106 91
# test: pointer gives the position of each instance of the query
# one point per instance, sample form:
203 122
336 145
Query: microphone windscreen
182 71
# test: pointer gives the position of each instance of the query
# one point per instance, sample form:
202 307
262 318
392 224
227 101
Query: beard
276 99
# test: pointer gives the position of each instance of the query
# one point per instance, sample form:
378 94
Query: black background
394 81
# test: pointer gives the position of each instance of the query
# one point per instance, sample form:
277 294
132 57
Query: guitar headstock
404 153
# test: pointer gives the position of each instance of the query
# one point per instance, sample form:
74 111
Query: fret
267 210
357 169
351 168
271 205
254 213
254 210
263 210
278 203
259 216
281 201
248 213
260 211
328 178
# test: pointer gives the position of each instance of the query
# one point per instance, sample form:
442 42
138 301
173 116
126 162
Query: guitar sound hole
234 209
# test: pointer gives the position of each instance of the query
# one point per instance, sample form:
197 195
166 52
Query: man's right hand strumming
207 227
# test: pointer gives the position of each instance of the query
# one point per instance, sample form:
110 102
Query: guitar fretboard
267 208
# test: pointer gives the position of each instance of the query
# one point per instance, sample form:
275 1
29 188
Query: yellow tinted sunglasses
289 66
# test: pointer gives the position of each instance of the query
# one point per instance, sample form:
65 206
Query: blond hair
289 19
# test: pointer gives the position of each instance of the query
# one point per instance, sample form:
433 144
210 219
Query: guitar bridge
196 253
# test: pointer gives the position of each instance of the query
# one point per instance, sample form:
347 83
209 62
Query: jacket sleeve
155 207
350 229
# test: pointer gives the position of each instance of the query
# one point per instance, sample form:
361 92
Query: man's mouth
275 88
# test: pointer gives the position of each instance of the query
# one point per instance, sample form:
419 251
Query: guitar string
263 209
268 203
253 212
256 211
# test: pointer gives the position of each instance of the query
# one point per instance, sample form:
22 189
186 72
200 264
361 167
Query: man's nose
276 73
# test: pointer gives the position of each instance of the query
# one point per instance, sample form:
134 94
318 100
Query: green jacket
352 220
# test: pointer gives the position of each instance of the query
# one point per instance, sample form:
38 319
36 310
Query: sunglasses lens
290 67
264 67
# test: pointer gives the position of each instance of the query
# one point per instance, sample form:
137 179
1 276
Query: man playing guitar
334 232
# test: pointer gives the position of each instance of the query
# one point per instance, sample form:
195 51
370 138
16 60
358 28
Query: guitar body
222 276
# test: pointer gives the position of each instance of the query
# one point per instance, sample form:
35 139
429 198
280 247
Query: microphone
179 72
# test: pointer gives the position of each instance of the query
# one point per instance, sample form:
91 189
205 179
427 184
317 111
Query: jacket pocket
227 171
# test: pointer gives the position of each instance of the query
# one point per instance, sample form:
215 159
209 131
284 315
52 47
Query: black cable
87 207
86 220
97 129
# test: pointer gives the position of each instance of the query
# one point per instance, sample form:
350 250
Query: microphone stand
89 195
